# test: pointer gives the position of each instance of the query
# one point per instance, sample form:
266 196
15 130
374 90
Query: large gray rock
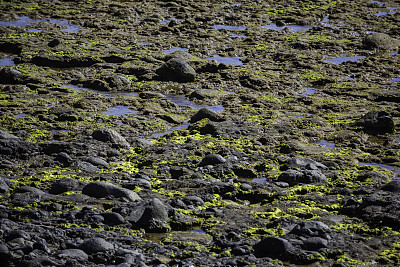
311 229
274 247
65 185
94 245
151 215
377 122
293 177
205 113
378 40
111 136
301 162
75 254
176 69
212 159
9 75
102 189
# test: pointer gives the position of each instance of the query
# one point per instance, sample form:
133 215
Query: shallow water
395 170
21 115
7 61
227 60
199 230
294 28
227 27
180 127
145 43
395 79
169 51
182 101
327 144
238 35
25 21
309 91
397 139
259 180
119 111
57 131
342 58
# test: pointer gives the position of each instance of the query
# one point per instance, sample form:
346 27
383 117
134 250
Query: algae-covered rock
102 189
176 69
110 135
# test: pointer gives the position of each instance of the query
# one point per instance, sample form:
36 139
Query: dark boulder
315 243
65 185
301 162
293 177
74 254
95 245
111 136
376 122
311 229
102 189
176 69
10 76
393 186
112 218
274 247
150 215
379 40
212 159
205 114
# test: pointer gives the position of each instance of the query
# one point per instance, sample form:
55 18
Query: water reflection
294 28
169 51
25 21
327 144
227 27
119 111
343 58
180 127
227 60
395 170
182 101
6 62
309 91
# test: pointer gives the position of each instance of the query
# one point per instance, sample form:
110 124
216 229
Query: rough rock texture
178 70
101 189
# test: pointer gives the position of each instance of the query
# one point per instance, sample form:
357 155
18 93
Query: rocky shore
199 133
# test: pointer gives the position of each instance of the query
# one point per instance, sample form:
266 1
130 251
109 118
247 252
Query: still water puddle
260 180
395 170
58 131
327 144
395 79
325 22
7 61
343 58
397 139
180 127
119 111
238 35
227 60
309 91
182 101
199 230
25 21
145 43
169 51
21 115
293 28
227 27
